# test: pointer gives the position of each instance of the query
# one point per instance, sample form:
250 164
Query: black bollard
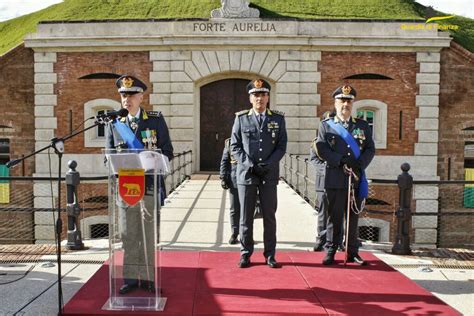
74 239
401 245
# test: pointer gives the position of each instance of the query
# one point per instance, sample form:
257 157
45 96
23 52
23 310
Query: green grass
13 31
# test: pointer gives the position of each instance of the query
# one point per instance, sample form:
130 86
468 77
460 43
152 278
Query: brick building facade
409 80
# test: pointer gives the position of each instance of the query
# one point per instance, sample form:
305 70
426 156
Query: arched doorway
219 102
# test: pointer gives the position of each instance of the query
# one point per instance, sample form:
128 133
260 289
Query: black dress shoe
148 286
341 248
329 259
357 259
244 262
233 239
127 288
271 262
318 247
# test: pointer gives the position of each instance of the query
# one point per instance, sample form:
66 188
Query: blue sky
10 9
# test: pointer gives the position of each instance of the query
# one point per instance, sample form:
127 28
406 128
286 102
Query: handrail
293 177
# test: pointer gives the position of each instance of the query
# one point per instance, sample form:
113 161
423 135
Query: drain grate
46 260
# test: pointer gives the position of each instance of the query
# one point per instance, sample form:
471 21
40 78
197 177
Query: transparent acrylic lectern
136 181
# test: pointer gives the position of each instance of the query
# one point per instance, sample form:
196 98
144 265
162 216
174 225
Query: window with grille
369 116
96 137
99 230
4 151
371 233
375 113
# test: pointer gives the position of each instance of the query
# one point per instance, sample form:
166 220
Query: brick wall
456 109
17 106
399 94
73 92
456 112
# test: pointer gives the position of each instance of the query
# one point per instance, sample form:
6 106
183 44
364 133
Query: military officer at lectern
345 143
144 129
258 143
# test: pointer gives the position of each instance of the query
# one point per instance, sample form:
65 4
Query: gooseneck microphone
112 114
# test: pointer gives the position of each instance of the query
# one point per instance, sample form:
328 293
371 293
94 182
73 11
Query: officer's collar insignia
346 90
269 112
145 115
250 112
258 84
123 119
353 119
127 82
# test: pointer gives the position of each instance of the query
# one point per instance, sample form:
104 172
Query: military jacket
252 143
228 168
150 120
331 148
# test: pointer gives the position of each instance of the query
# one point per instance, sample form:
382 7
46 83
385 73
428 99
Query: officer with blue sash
321 205
139 129
345 143
258 143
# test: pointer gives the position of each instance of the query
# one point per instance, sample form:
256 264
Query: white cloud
457 7
10 9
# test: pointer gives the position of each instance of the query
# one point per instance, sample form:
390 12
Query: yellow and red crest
127 82
131 185
258 83
346 90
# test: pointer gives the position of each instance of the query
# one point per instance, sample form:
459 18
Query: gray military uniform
253 143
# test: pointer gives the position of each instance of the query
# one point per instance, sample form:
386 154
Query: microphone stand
58 145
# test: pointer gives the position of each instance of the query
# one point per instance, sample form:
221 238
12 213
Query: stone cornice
257 33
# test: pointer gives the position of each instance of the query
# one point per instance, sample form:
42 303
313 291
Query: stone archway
178 75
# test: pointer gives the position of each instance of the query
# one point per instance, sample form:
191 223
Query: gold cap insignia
127 82
346 90
258 83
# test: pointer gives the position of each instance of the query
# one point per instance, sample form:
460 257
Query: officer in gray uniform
321 198
228 176
149 129
258 143
333 148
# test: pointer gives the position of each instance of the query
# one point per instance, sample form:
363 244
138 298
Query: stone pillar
45 125
427 125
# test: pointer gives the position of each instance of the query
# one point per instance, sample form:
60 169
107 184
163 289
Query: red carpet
209 283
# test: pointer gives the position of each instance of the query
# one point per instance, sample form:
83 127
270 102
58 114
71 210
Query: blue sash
127 135
341 131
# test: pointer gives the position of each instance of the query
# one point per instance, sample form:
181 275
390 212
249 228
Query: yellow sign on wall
4 185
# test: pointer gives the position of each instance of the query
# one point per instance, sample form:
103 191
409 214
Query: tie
259 119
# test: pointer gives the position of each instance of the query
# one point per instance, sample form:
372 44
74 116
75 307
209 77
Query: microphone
112 114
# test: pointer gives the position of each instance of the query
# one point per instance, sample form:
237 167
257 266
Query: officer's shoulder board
227 143
278 112
154 113
242 112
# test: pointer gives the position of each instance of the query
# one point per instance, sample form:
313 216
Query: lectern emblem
131 185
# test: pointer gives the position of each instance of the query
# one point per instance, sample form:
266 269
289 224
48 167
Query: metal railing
29 214
426 209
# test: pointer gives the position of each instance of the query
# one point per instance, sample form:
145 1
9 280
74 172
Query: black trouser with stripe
337 211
